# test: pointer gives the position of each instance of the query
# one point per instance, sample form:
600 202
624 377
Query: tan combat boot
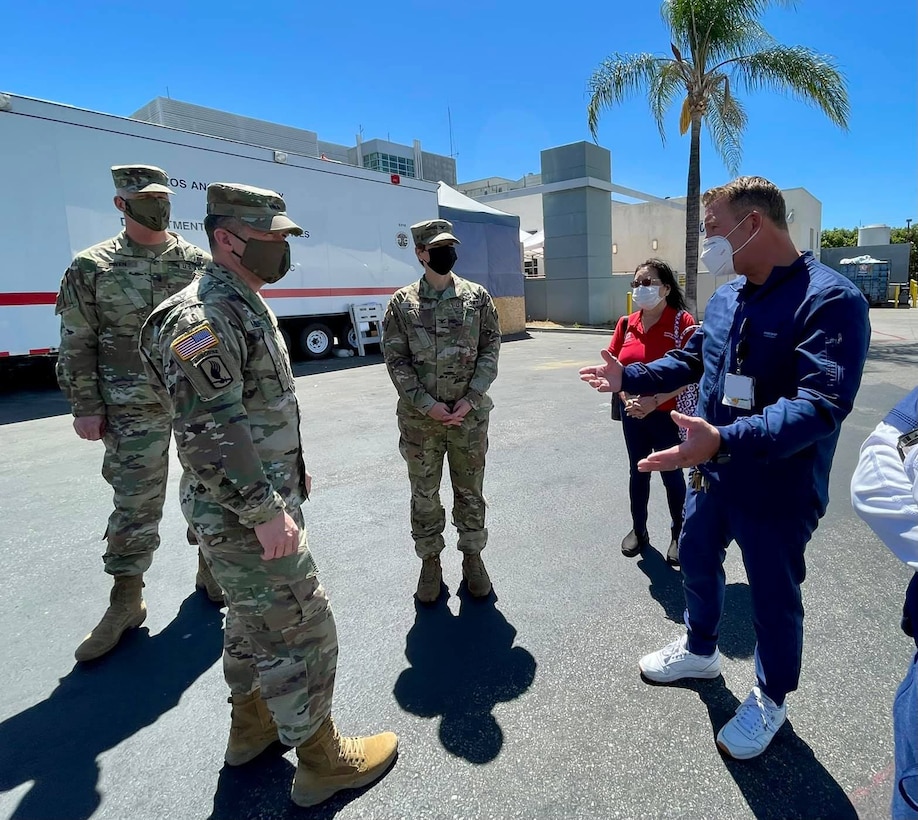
430 580
126 610
329 763
476 576
206 581
252 729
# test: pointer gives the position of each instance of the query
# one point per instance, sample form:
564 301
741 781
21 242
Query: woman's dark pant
656 431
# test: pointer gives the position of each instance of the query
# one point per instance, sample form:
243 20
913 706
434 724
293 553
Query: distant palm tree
716 43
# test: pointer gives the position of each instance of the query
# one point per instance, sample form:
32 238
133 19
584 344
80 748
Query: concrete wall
536 300
577 219
638 226
332 150
437 168
202 120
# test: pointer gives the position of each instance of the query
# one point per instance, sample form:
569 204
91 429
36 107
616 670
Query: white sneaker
750 731
674 662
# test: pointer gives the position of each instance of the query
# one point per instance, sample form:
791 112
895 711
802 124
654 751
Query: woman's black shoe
633 543
672 554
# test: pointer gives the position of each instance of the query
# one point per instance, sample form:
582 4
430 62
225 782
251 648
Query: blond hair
747 194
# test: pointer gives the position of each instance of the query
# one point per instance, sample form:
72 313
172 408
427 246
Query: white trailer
57 200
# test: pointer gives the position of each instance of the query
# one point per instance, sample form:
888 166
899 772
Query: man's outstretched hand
606 377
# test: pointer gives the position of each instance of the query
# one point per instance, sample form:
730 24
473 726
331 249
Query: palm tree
716 45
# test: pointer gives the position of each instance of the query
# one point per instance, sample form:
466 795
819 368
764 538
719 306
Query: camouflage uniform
105 296
216 356
442 347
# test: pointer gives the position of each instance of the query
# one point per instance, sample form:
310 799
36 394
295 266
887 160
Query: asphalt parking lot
527 705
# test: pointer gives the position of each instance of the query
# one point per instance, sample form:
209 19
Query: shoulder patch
195 342
216 371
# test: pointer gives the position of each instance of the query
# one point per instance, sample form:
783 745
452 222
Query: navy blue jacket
803 337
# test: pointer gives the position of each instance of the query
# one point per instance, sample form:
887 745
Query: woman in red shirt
649 333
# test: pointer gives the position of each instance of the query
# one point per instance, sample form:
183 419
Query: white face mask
717 253
646 296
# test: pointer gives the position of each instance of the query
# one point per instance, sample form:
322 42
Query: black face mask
442 259
269 261
151 213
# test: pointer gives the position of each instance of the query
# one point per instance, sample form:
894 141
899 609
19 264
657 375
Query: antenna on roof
449 117
167 93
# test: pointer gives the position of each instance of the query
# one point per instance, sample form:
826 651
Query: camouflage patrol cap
260 208
433 230
140 179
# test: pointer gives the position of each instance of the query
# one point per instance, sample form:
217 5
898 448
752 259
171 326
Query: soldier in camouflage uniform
441 340
106 295
219 362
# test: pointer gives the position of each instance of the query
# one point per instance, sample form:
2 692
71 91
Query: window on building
389 164
531 268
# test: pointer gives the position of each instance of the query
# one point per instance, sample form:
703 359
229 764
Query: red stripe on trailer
40 351
18 299
296 293
26 299
4 353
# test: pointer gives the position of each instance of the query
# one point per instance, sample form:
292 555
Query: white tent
534 243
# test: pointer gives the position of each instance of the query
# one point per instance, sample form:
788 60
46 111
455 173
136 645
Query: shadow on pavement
96 706
29 391
461 667
904 353
260 790
737 636
787 781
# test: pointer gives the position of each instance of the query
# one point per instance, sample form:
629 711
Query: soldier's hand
308 481
606 377
90 428
279 537
460 411
439 412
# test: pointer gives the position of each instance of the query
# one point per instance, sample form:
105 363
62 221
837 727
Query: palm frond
618 78
809 77
726 120
715 29
662 92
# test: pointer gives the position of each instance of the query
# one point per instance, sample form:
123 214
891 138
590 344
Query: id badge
738 391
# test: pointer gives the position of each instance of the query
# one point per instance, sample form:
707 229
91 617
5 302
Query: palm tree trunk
693 216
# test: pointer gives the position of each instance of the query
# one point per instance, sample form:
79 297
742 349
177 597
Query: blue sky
514 75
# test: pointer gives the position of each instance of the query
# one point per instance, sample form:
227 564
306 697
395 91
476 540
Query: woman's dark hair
664 272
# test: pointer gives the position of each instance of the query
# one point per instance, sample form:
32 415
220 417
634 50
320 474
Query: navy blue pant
772 534
656 431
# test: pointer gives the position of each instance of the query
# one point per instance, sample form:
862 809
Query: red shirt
631 343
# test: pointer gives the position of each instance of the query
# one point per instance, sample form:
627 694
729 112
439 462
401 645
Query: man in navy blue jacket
780 361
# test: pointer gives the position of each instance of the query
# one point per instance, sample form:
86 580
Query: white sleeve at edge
884 493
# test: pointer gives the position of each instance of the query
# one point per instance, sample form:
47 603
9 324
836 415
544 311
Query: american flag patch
188 345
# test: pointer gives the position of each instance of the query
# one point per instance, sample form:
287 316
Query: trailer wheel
351 337
316 340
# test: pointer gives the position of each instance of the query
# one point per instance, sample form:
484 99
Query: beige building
654 227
